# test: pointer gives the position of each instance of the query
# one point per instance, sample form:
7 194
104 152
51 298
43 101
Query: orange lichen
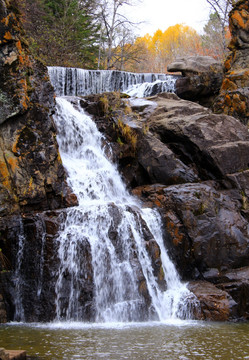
238 19
4 175
19 45
24 103
13 162
22 93
243 106
228 61
174 232
5 20
7 36
157 203
16 145
21 60
238 105
227 84
228 100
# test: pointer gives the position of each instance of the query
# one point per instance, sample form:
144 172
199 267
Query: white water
111 223
151 88
18 279
80 82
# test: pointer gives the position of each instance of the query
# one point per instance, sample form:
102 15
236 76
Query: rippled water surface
175 341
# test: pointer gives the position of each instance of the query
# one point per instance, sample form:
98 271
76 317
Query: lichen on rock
233 98
31 175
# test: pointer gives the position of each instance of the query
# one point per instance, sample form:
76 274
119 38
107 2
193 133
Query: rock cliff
193 166
31 173
32 177
234 94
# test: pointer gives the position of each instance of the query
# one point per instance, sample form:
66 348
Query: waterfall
80 82
105 239
18 278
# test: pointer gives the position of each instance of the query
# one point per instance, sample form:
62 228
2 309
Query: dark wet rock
32 177
148 159
215 304
3 313
161 164
201 78
204 229
38 264
236 283
208 221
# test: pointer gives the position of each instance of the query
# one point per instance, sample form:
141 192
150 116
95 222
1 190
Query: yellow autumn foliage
163 47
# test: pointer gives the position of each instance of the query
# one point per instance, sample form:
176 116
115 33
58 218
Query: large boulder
233 98
215 304
201 78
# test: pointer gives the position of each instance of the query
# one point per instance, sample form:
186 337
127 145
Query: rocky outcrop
193 166
4 355
215 304
12 354
32 177
201 78
31 173
234 94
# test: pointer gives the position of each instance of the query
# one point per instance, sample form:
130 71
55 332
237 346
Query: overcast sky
160 14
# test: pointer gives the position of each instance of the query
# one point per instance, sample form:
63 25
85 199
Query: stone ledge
12 354
17 354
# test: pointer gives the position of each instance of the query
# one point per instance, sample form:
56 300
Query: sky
160 14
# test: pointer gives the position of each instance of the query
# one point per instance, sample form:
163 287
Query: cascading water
18 279
105 238
80 82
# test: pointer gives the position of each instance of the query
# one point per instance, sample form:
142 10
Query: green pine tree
63 32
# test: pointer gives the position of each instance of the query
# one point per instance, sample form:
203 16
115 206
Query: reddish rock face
234 94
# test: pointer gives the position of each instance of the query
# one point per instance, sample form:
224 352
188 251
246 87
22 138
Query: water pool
174 340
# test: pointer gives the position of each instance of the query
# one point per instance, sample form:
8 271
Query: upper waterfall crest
80 82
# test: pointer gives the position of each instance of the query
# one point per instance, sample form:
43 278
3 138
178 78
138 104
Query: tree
163 47
212 39
63 32
222 8
128 53
115 25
